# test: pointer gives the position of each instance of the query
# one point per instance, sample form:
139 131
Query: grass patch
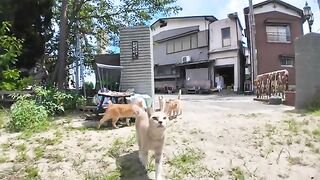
38 153
114 175
294 160
78 161
32 173
316 112
316 132
7 146
55 157
120 146
4 117
21 148
187 163
237 173
3 159
251 115
292 126
271 129
49 141
309 144
22 154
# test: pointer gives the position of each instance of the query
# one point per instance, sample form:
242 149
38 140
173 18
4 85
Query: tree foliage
10 46
97 23
31 21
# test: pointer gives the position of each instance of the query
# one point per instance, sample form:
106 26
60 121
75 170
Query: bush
12 80
56 102
27 115
88 85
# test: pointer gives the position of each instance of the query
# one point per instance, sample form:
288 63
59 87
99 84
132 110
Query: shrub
56 102
11 80
27 115
88 85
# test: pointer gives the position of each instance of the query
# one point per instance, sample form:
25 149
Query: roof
173 33
207 17
289 6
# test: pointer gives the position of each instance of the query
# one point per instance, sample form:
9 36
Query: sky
221 8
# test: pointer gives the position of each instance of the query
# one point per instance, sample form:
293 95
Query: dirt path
217 137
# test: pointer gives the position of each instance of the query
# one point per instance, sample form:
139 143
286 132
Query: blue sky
220 9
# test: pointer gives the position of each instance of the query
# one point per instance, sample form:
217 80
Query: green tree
10 46
99 21
31 21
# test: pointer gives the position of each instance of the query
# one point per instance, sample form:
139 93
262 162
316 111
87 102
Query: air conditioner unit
186 59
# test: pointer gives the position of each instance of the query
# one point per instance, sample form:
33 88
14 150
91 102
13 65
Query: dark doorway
228 75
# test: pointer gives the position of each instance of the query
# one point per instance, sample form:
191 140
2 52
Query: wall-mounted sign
135 50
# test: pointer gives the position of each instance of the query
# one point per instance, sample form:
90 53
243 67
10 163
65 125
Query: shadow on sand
131 168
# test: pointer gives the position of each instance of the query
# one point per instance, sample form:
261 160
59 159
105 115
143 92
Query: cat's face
158 120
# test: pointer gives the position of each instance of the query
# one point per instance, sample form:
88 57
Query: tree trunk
61 64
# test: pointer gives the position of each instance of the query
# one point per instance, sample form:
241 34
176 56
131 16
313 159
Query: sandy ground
217 137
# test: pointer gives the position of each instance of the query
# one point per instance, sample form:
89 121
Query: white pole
77 79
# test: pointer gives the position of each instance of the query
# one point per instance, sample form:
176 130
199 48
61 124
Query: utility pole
252 35
77 79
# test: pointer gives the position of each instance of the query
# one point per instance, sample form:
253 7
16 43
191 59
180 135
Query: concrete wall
137 73
216 36
307 57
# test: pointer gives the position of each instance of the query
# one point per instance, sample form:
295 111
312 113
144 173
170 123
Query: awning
104 66
194 62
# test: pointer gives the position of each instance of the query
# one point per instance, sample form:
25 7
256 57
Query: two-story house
227 52
277 25
195 51
180 47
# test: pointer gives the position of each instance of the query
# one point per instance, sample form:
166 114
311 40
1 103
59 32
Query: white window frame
276 29
226 41
286 59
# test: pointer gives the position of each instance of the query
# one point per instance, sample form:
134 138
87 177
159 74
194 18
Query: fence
272 84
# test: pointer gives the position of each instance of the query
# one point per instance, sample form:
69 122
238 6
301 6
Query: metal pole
310 28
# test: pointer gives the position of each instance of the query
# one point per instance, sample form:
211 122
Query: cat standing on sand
173 108
150 136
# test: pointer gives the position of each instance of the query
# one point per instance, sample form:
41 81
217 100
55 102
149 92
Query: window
135 50
170 46
287 61
186 43
225 33
194 41
278 33
177 45
182 44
